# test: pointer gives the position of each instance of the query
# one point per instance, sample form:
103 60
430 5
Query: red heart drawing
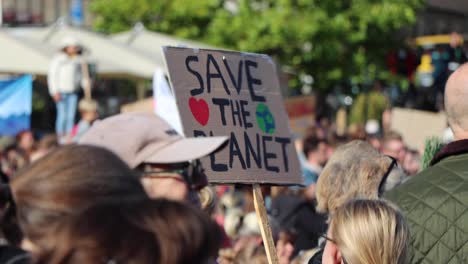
200 110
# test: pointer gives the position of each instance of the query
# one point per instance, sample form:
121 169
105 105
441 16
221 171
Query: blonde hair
370 232
87 105
355 170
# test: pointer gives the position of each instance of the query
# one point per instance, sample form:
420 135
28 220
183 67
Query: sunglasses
393 164
192 173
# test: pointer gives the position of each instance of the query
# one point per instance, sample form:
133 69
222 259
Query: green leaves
432 145
331 40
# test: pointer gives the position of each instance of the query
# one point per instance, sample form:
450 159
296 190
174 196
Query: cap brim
186 149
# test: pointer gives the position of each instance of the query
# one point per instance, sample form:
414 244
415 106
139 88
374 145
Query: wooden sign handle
85 74
264 225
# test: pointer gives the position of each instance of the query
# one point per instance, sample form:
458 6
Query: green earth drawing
265 120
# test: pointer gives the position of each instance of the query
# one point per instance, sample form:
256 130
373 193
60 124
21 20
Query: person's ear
339 258
331 254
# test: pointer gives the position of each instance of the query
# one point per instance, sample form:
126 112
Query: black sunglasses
328 239
192 173
385 176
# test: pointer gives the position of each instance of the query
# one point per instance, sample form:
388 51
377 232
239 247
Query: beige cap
146 138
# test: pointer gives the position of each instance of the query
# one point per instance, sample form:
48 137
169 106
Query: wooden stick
85 74
264 225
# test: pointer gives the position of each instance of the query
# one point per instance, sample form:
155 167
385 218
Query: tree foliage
331 40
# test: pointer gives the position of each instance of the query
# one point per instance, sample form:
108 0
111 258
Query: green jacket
435 203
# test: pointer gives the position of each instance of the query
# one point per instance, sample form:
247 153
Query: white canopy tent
149 43
111 58
21 56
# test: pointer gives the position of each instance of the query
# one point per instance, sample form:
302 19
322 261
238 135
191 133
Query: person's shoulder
58 57
317 257
441 176
12 255
410 186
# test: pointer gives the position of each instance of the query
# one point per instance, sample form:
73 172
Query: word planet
265 120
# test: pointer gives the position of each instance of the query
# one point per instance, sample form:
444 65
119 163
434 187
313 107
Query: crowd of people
129 189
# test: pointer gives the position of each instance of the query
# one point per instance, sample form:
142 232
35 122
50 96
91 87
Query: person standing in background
394 146
64 79
314 150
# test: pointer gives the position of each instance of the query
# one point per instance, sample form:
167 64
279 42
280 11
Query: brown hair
359 224
134 232
48 142
66 181
355 170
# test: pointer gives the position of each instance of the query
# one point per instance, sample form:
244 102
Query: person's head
355 170
367 231
315 150
156 151
88 109
132 231
375 141
394 146
13 160
456 106
356 131
46 144
25 140
412 162
70 46
67 180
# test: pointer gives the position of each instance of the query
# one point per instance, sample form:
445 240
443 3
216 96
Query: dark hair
139 231
9 223
21 134
310 144
66 181
49 141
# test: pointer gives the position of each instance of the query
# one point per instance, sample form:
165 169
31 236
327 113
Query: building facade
442 17
42 12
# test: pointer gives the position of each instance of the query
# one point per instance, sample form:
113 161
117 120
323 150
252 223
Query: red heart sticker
200 110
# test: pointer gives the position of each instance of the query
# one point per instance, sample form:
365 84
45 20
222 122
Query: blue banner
76 12
15 105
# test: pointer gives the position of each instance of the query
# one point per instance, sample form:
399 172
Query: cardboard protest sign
416 126
220 93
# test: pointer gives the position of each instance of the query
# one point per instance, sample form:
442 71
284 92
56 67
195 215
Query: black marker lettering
245 114
234 150
238 84
194 91
268 155
217 75
251 81
236 112
284 142
250 151
221 102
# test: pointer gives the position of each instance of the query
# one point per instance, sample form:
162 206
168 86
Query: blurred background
332 54
373 70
